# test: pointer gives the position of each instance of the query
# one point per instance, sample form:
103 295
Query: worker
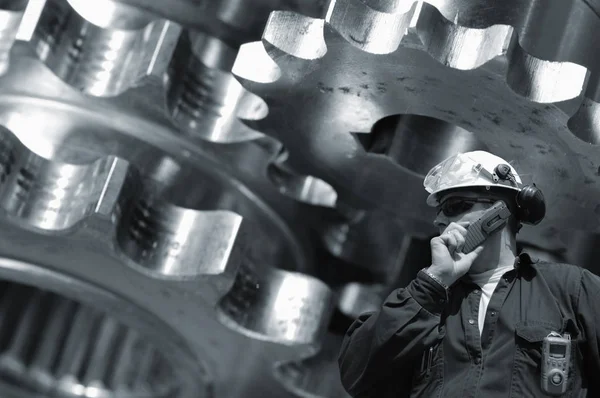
480 321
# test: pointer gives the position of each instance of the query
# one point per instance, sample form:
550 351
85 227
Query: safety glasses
452 207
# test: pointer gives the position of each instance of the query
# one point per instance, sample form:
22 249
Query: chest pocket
527 366
427 380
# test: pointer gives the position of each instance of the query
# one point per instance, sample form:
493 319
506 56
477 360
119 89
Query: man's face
460 207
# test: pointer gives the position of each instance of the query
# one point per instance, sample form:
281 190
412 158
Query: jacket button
471 322
493 313
477 360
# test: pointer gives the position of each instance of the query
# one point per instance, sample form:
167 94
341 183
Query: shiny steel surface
237 21
11 15
204 98
92 346
34 320
187 211
525 97
149 217
102 48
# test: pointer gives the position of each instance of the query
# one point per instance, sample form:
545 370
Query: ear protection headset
531 205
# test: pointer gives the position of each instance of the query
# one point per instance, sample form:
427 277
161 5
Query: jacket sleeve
385 344
588 319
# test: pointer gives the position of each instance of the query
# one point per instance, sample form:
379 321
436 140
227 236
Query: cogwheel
157 221
122 49
62 348
463 69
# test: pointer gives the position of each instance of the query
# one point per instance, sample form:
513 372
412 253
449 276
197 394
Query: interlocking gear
118 193
93 190
369 60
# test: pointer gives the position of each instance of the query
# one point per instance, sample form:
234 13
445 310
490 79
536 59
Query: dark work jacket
425 342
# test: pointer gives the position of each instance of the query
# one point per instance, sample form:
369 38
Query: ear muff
531 205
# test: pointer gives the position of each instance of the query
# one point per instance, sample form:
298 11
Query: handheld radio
556 356
494 219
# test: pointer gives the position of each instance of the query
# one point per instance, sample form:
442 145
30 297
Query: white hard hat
470 169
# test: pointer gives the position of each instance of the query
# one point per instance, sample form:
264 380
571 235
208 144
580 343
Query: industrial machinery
198 196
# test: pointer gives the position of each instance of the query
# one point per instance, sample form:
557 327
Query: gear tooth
254 65
544 81
276 305
112 15
53 345
593 87
296 35
53 195
457 46
94 51
173 240
306 189
178 242
357 298
369 29
585 123
560 31
550 30
358 81
204 98
9 25
252 107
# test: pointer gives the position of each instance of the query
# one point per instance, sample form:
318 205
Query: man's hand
448 263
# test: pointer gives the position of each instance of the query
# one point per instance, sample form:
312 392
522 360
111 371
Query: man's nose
441 221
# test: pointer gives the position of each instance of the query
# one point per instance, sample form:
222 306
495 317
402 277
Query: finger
450 241
460 240
462 229
438 242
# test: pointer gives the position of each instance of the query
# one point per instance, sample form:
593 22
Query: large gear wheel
189 256
109 208
491 76
167 232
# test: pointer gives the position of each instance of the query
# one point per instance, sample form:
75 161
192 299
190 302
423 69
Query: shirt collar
522 260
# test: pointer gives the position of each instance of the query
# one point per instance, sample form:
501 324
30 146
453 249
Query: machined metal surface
204 98
56 342
233 20
186 211
101 48
518 93
149 217
95 355
11 15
